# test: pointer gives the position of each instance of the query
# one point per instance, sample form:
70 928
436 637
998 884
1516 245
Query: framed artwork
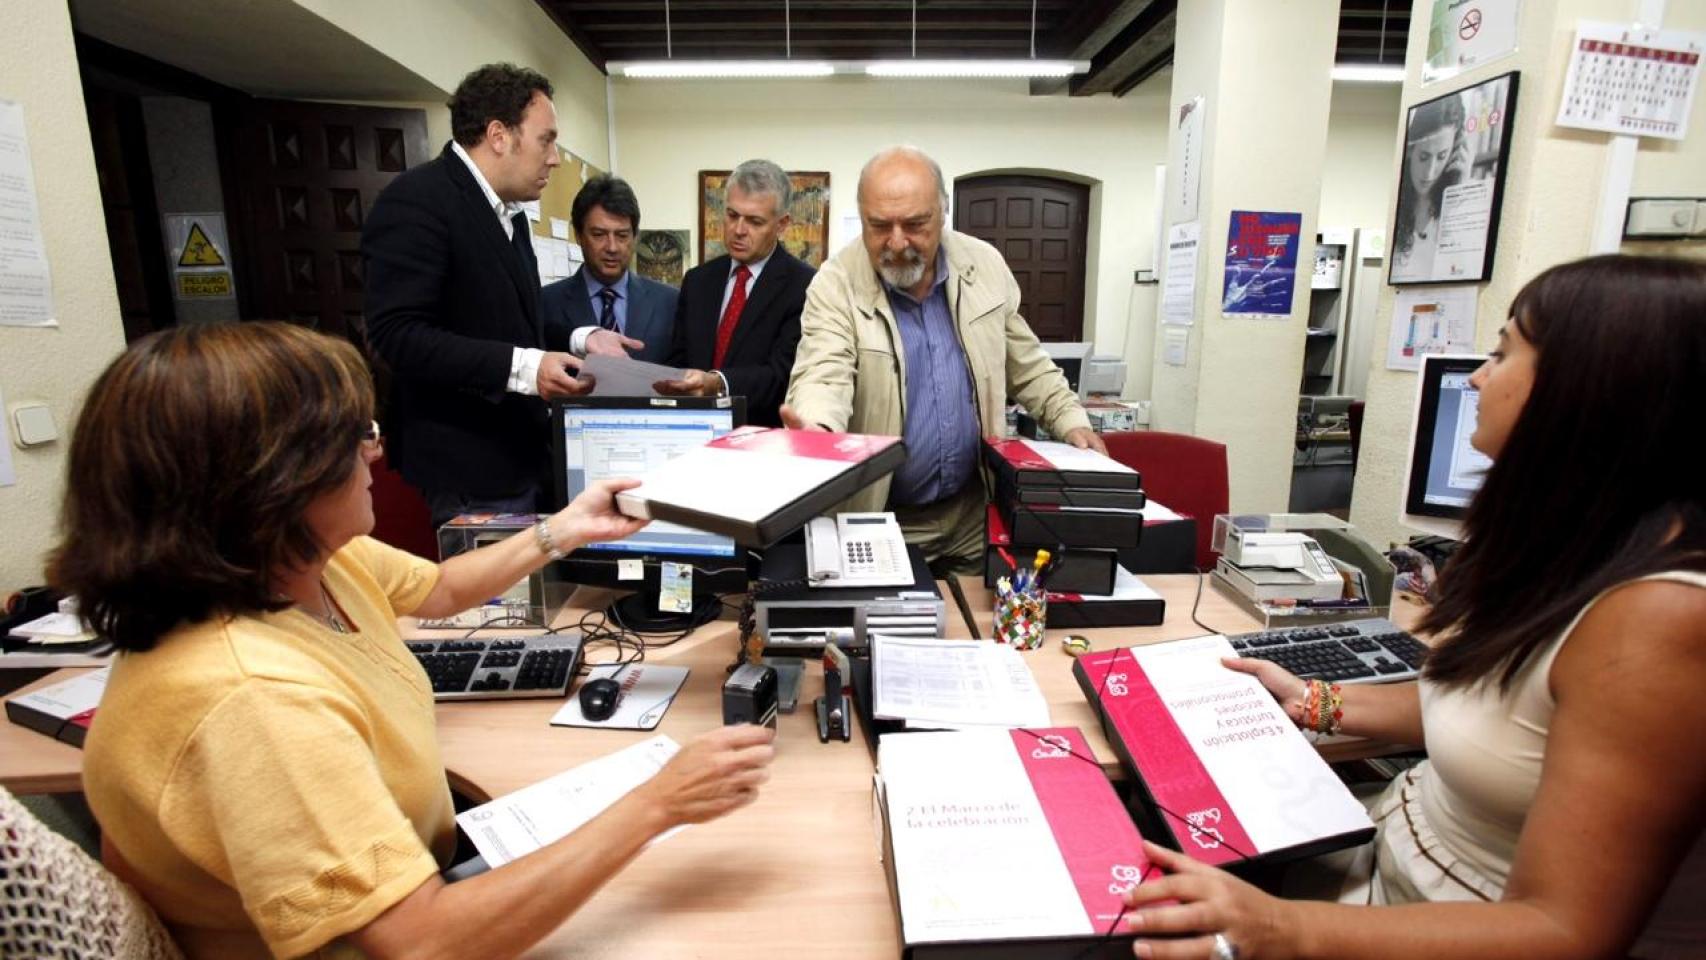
807 237
1451 184
661 255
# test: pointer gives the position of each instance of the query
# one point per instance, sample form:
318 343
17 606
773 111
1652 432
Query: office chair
400 514
61 903
1185 473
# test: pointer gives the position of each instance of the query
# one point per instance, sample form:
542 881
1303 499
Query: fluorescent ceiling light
1368 74
683 69
976 68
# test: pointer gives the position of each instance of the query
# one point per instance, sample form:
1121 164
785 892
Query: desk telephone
857 550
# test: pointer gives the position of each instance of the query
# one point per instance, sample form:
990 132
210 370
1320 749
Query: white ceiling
269 48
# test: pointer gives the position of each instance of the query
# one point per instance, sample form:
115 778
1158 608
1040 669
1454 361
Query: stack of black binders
1053 496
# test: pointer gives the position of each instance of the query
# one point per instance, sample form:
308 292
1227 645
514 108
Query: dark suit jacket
651 312
448 298
761 352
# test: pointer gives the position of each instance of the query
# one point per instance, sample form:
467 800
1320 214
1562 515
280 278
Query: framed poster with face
807 233
1451 183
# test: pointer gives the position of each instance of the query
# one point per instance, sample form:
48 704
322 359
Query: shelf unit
1329 300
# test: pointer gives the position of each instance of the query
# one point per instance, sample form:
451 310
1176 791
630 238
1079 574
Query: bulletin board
559 194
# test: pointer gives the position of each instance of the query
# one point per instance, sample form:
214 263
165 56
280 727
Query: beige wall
667 131
1362 139
1551 191
38 68
1666 168
444 39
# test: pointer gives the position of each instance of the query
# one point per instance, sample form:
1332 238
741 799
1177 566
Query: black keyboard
495 668
1355 651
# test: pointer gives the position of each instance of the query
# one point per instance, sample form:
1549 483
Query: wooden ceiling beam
1136 47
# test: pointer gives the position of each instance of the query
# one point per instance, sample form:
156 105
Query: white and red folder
64 710
758 484
1226 775
1050 463
1004 843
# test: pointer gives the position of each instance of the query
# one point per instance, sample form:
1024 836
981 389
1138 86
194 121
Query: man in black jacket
452 303
737 321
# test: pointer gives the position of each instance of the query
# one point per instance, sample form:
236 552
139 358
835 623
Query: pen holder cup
1020 618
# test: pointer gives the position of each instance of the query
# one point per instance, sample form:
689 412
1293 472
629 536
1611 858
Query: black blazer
761 352
448 298
651 311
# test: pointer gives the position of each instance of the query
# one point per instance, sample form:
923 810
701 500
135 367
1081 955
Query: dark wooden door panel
308 173
1039 225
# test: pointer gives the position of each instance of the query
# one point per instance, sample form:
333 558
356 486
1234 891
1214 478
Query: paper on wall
26 284
1174 341
1430 320
1179 289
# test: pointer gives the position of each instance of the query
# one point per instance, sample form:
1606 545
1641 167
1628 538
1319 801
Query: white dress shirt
523 361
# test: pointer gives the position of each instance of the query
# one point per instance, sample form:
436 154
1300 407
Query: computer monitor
1071 358
595 438
1444 470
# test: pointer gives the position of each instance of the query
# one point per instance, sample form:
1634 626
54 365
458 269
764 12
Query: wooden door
307 175
127 200
1039 225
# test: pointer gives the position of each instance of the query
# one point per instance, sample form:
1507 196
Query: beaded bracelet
1323 707
547 545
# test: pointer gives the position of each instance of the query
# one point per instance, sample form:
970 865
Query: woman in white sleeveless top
1560 812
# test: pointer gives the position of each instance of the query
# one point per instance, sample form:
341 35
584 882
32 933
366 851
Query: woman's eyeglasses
371 438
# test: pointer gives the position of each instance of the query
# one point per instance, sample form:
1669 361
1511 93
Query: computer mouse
599 697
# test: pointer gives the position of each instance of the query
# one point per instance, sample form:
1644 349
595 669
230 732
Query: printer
1274 565
795 618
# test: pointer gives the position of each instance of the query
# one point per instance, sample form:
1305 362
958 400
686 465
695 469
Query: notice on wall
201 256
1430 320
1179 290
1175 344
1187 155
26 285
1464 34
1261 264
1633 82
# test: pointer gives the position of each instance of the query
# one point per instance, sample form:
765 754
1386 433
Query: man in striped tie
737 321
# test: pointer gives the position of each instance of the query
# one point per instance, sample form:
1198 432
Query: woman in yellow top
264 764
1560 811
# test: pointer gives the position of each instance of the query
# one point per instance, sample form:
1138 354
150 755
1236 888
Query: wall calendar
1631 81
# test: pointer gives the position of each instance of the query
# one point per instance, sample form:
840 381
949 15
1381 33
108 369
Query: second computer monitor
596 438
1445 470
1071 358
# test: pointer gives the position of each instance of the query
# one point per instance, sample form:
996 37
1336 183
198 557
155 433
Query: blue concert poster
1261 263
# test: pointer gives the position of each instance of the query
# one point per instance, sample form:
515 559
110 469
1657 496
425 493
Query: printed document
625 376
942 684
515 825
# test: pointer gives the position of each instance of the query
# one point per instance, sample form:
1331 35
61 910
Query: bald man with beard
916 332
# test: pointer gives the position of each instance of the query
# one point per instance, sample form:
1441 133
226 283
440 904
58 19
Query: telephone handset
857 550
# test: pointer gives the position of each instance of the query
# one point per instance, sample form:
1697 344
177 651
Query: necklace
333 621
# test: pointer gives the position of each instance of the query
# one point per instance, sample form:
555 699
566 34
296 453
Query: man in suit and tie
606 307
452 301
737 323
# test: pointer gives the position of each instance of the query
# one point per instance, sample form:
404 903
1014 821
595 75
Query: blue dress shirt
941 426
593 288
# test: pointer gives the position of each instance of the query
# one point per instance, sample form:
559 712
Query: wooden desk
796 873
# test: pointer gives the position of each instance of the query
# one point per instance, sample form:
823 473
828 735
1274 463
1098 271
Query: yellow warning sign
200 251
196 285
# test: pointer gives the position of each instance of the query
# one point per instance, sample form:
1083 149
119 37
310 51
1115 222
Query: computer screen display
1445 469
600 440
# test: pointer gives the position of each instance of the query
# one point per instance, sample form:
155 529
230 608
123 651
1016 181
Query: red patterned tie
731 316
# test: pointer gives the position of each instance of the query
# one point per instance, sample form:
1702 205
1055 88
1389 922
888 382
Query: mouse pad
647 691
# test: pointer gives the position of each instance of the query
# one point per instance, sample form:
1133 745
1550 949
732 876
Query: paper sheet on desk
647 691
515 825
625 376
953 684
